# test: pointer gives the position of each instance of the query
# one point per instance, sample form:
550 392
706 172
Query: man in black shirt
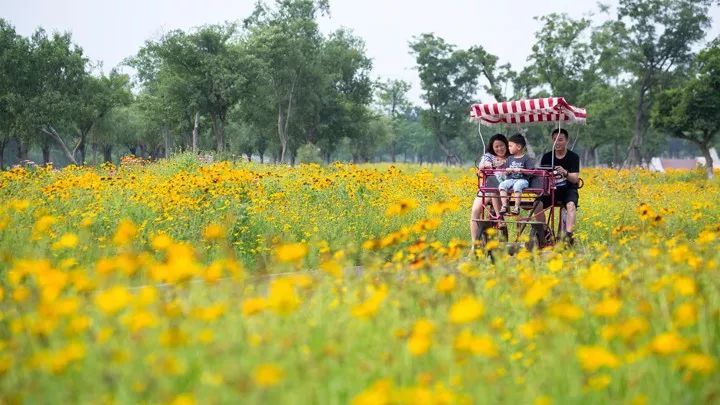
567 167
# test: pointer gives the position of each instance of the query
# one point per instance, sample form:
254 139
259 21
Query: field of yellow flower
181 282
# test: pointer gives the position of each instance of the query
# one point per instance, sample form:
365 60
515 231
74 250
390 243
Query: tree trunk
596 156
70 155
705 148
282 133
634 154
107 153
22 150
219 130
166 143
195 133
284 121
46 152
3 144
450 157
81 147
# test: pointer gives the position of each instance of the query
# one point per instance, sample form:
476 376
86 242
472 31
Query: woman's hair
496 137
518 139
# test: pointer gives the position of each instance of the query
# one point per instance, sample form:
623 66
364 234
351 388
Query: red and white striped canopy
528 112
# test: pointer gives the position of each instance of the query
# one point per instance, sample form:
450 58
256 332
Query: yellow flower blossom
113 300
267 375
566 311
466 310
66 241
593 358
668 343
282 297
368 308
401 207
125 233
213 232
598 277
607 308
446 284
291 253
698 362
685 286
685 315
252 306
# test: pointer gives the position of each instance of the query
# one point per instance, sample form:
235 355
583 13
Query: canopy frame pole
577 135
481 137
552 156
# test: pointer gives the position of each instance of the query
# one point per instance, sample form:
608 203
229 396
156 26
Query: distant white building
659 165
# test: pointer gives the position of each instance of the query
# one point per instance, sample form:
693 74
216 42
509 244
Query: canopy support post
552 156
481 137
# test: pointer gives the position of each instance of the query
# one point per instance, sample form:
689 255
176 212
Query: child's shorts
518 185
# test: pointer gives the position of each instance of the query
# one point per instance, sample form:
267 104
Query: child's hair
497 137
518 139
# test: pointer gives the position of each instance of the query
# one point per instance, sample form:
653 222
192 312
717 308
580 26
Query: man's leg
539 210
570 219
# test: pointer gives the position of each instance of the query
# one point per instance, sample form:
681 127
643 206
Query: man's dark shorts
563 195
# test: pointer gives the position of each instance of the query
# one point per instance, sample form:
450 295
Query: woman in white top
495 157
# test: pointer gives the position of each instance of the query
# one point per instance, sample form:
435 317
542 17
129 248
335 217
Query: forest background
271 86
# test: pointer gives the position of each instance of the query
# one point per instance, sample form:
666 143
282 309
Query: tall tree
393 101
341 101
55 91
14 68
449 79
660 36
207 71
99 95
286 39
692 111
561 56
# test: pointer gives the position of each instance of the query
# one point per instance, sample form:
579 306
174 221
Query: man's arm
573 177
572 173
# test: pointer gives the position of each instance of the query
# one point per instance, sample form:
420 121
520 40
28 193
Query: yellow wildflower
112 300
401 207
66 241
685 315
252 306
446 284
125 233
267 375
684 286
282 297
668 343
293 252
213 232
594 357
598 277
466 310
377 394
566 311
698 362
368 308
608 307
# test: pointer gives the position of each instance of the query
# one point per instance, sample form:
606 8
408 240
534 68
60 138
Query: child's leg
505 185
518 188
504 198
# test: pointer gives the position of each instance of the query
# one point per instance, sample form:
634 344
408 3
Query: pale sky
108 31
